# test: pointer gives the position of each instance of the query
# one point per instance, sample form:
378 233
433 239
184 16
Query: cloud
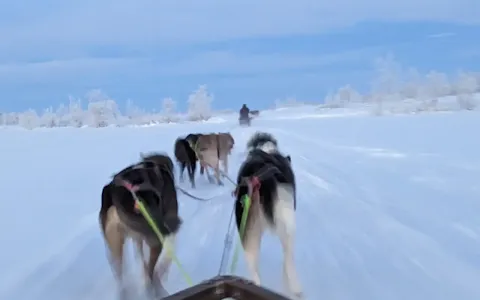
441 35
123 44
225 62
144 22
63 70
205 63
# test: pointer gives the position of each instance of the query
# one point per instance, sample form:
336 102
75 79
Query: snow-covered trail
387 208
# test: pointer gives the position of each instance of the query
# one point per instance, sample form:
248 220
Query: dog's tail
107 202
179 148
284 209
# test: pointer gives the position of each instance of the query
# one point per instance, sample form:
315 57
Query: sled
226 287
244 122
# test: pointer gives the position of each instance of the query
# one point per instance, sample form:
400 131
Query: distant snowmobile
244 118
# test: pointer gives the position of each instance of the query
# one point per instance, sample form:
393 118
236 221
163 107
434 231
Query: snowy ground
388 207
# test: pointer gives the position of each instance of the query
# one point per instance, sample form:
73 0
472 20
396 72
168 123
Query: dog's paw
298 295
296 291
124 292
163 271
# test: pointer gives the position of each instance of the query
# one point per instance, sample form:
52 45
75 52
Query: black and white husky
274 208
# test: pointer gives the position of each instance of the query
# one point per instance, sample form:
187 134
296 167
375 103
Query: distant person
244 112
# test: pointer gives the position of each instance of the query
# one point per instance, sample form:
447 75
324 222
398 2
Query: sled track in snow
357 241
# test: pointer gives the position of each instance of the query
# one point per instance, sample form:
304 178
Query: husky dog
211 149
227 141
187 158
120 219
272 206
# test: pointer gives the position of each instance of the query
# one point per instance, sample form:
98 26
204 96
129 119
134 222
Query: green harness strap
246 209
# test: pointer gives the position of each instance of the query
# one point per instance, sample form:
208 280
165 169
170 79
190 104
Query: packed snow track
388 208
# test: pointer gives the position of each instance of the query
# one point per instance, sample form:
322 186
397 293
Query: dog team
266 176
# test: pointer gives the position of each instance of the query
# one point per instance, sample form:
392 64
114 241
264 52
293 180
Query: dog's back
207 146
184 152
278 188
161 200
278 179
160 160
220 143
192 139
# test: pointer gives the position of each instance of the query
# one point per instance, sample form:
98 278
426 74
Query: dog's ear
288 158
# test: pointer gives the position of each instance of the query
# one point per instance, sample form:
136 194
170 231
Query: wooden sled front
226 287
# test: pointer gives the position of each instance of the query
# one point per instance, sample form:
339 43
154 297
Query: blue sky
244 51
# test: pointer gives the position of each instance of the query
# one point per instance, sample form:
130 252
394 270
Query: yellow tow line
144 211
247 202
160 236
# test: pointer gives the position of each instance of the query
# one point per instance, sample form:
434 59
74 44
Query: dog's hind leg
202 166
205 167
284 213
225 165
115 238
166 261
215 164
251 246
217 174
182 170
152 261
191 173
140 253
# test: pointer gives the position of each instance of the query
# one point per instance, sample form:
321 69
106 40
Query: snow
387 207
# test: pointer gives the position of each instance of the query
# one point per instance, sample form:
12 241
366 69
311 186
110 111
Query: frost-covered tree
62 115
10 119
347 94
29 119
437 84
388 75
330 101
131 110
102 110
48 118
387 82
199 104
76 115
466 85
169 107
412 83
